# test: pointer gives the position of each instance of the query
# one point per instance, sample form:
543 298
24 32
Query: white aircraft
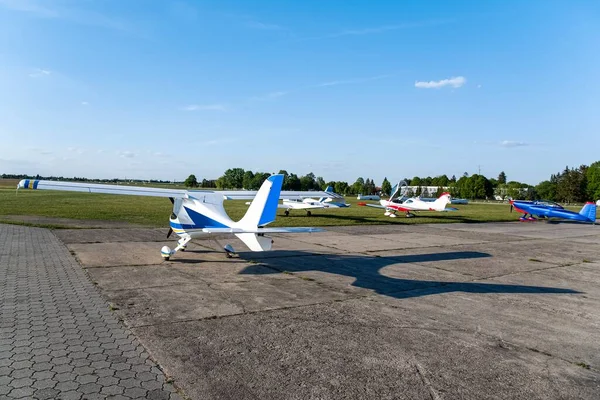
199 213
407 205
367 197
310 203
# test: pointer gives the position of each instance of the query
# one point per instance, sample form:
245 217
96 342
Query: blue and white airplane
308 204
200 213
550 209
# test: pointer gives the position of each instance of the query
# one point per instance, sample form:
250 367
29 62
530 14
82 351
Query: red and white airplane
410 204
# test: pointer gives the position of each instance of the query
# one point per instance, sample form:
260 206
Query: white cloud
38 72
455 82
206 107
75 150
126 154
512 143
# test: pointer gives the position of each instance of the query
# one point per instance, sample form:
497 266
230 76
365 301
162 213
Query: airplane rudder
589 211
263 207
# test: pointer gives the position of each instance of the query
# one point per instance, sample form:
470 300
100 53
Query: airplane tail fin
262 211
328 189
440 202
589 211
263 208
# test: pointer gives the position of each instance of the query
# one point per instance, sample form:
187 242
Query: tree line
569 186
572 185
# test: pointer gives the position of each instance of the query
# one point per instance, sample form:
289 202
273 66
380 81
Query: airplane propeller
170 229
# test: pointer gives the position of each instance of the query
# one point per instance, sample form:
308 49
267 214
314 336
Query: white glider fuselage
416 204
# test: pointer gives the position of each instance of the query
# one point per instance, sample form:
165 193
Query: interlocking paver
58 339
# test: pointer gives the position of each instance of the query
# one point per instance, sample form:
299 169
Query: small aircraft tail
262 211
263 208
589 211
440 202
328 189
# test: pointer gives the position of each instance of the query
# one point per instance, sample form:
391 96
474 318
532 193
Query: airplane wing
102 188
371 205
262 230
301 206
158 192
285 194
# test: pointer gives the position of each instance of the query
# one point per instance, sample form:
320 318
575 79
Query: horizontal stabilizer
263 230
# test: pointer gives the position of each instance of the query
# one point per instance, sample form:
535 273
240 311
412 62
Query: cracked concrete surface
505 310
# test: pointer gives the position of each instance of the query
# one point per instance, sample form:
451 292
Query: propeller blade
511 208
170 232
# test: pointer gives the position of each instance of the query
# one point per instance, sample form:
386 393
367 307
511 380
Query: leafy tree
546 190
258 179
416 181
341 187
358 186
593 181
571 185
247 180
453 179
286 176
206 183
233 178
191 181
502 178
307 182
293 182
386 187
320 183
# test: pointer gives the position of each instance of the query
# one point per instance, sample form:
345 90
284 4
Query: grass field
155 212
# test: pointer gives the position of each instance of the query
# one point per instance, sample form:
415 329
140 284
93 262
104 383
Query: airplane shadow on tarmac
367 272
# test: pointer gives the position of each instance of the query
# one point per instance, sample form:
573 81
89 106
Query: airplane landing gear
229 251
410 215
286 212
308 213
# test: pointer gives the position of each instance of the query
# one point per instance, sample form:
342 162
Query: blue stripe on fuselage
200 221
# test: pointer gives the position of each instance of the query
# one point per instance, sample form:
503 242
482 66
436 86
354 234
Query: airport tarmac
470 311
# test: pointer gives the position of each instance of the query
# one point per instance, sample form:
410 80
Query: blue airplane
550 209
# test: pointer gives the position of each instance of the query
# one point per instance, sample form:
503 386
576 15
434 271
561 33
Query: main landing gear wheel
308 213
409 215
286 212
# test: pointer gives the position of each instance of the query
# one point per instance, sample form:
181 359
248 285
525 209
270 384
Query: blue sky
161 89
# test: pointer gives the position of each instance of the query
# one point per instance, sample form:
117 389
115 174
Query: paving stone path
58 338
